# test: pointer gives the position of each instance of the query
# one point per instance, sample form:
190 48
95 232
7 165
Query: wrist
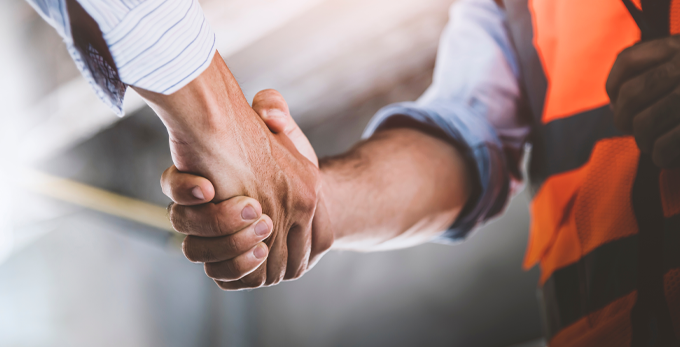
202 109
212 129
335 191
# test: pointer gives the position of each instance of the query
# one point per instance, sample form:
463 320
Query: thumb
273 109
186 189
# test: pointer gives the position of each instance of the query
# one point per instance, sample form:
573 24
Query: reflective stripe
577 42
576 212
569 141
598 278
607 327
675 17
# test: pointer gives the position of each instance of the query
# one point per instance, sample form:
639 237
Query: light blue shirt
474 98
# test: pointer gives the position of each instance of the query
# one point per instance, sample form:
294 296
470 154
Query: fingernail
261 228
260 252
198 193
248 213
273 113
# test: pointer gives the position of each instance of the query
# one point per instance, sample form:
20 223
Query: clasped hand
644 89
245 243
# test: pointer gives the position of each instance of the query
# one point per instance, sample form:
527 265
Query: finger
666 153
299 247
244 283
186 189
252 280
656 120
216 249
256 278
641 91
273 109
238 267
214 220
277 260
636 59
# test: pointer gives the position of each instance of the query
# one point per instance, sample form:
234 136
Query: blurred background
87 257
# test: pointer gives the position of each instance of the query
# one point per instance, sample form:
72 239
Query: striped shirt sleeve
157 45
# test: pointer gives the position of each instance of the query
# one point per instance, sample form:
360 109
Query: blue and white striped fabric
157 45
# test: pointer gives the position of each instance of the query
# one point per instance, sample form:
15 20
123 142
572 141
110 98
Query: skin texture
215 133
249 194
399 188
644 89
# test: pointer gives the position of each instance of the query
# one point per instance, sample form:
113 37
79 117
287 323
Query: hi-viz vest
606 221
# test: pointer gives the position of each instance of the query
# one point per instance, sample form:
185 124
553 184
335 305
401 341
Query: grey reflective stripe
607 273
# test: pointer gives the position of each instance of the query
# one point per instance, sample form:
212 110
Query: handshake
256 207
246 185
277 227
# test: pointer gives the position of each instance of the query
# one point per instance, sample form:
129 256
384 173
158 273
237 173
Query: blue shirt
474 98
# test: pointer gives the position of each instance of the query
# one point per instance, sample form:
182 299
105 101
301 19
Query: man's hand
230 236
644 89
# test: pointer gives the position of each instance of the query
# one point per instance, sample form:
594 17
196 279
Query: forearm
400 188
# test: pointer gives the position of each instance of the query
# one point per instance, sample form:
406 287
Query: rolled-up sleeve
157 45
474 99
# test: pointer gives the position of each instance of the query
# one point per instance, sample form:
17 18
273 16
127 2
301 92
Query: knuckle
216 226
188 249
273 280
641 132
661 156
226 271
255 280
306 202
172 216
659 159
627 93
628 52
196 252
300 272
178 218
297 274
212 272
232 244
223 285
624 58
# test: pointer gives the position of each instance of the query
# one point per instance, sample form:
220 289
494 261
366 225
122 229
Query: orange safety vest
606 222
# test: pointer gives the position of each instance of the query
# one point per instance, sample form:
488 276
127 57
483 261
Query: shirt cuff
479 145
161 46
157 45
